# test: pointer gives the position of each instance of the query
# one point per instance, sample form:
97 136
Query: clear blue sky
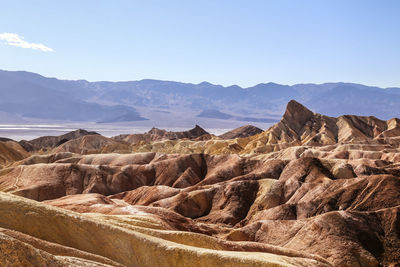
223 42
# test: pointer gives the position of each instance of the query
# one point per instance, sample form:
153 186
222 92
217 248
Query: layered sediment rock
310 191
67 238
90 144
343 209
49 142
10 152
298 127
241 132
158 134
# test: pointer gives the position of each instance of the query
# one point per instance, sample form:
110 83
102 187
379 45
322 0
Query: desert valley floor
312 190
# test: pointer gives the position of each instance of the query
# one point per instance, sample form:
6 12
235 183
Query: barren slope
310 191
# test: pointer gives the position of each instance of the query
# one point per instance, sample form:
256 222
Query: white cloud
16 40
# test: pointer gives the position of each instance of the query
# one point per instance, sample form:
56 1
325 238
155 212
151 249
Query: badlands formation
310 191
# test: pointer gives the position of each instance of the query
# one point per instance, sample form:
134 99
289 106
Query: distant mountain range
31 96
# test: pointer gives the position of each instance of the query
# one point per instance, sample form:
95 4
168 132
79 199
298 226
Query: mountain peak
197 131
295 109
296 115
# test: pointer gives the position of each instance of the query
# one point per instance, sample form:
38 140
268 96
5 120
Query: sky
222 42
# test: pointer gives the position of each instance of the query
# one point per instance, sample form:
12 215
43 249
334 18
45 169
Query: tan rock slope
90 144
71 239
310 191
334 211
298 127
158 135
244 131
10 152
49 142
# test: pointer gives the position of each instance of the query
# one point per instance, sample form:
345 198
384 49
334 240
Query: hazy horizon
205 81
221 42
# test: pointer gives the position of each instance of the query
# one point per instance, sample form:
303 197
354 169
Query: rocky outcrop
4 139
335 211
241 132
67 238
49 142
310 191
157 135
10 152
90 144
111 174
298 127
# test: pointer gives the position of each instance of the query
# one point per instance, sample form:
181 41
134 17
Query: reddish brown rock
10 152
88 144
49 142
320 191
241 132
155 134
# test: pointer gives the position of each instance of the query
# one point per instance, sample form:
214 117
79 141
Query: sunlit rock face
10 152
310 191
241 132
158 134
299 127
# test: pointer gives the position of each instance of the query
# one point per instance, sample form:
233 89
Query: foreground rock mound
333 212
68 238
